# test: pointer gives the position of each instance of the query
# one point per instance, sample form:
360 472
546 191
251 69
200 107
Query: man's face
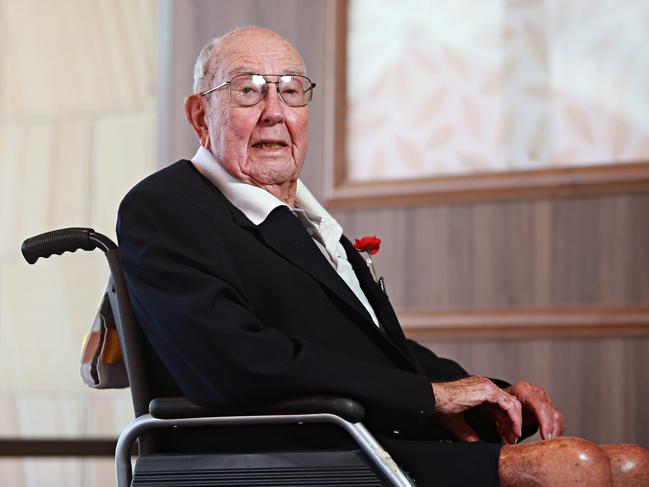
264 144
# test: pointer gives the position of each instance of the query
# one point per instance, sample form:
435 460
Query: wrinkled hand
452 399
538 409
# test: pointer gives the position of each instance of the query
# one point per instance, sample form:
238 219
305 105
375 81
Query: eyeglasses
247 90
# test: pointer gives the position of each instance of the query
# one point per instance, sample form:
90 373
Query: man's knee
579 453
562 461
629 464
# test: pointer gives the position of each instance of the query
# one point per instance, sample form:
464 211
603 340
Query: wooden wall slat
637 262
541 269
545 252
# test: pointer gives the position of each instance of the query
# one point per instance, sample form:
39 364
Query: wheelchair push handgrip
64 240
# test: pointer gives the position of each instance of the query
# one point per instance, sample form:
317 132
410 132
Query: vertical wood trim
334 92
340 169
164 80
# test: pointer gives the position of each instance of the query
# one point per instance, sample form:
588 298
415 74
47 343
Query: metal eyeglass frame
265 88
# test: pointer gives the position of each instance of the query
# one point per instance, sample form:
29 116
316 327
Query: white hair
205 68
202 73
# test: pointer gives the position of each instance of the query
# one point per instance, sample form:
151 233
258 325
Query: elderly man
248 291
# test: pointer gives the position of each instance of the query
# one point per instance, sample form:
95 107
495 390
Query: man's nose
273 107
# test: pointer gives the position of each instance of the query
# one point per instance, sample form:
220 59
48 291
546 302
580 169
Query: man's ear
196 116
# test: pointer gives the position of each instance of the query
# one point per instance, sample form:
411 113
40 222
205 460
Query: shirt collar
256 203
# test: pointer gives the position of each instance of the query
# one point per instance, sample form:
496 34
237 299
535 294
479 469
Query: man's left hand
538 409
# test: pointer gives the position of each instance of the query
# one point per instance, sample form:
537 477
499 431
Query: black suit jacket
240 313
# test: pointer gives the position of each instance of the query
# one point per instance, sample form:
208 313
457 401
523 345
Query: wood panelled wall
527 254
544 252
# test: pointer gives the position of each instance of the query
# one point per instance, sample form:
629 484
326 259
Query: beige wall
77 129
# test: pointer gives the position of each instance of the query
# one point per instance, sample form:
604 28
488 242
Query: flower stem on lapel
370 264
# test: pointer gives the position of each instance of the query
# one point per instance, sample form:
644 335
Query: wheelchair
365 464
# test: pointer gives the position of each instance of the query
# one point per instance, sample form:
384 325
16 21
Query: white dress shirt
257 203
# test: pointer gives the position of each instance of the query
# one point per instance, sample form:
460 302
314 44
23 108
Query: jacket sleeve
187 296
437 369
440 369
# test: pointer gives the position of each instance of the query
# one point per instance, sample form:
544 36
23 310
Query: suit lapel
379 301
283 232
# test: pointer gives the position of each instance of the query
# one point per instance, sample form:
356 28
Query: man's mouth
270 145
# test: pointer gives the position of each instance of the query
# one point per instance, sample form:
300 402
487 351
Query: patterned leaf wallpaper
442 87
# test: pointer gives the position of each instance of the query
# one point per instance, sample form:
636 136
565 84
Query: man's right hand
453 399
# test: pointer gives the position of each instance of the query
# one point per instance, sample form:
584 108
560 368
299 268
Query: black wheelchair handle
64 240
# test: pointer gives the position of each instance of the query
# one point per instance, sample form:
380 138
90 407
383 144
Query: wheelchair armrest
181 407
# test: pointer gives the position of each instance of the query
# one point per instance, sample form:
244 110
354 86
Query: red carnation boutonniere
370 245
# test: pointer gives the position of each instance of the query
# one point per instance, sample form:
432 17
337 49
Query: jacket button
396 432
